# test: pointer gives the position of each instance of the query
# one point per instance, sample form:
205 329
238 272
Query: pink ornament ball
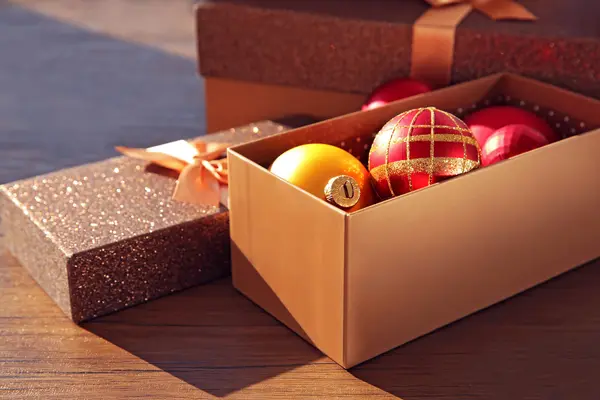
484 123
393 90
510 141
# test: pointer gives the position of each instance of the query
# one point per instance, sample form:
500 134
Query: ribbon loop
495 9
441 3
201 171
434 33
503 10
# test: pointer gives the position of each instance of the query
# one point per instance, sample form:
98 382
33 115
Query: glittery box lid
105 236
354 46
97 204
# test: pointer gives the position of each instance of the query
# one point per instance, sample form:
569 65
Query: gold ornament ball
327 172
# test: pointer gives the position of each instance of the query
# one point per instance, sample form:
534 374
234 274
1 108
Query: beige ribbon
434 33
201 172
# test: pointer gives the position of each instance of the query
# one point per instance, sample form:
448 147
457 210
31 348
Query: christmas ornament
418 148
485 122
510 141
395 90
327 172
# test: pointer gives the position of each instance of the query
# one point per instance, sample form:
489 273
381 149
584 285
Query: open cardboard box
356 285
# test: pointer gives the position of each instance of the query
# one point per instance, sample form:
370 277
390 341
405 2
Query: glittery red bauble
420 147
487 121
395 90
510 141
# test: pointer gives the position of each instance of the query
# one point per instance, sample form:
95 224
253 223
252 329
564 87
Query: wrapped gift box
324 57
108 235
358 284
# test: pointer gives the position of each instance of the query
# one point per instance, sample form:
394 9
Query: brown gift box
357 285
324 57
104 236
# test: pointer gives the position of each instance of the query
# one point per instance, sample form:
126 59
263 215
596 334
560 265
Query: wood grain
78 77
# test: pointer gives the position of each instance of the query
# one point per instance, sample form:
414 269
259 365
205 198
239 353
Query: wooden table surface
78 77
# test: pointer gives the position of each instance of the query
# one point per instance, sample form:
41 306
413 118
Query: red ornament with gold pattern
418 148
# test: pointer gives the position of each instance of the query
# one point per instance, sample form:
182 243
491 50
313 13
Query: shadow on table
69 98
542 344
210 337
68 95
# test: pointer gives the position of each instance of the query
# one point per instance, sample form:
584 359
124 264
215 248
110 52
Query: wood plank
77 78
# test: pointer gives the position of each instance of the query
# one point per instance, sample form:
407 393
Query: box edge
334 352
13 219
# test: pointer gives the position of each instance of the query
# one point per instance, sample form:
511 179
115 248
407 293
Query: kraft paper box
108 235
357 285
324 57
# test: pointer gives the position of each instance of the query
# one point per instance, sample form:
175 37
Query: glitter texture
330 46
104 236
393 155
441 166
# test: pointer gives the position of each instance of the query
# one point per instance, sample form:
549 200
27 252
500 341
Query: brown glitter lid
101 203
354 46
108 235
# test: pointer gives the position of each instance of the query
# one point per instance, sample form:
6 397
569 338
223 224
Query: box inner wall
567 113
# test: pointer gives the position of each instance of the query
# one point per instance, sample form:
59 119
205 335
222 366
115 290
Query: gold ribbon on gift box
201 171
434 33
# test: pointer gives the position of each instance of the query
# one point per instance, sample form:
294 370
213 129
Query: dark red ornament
393 90
511 141
484 123
418 148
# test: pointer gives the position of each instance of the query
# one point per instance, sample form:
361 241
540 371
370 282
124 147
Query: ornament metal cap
342 191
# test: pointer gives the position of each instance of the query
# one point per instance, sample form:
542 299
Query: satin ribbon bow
495 9
201 171
434 33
